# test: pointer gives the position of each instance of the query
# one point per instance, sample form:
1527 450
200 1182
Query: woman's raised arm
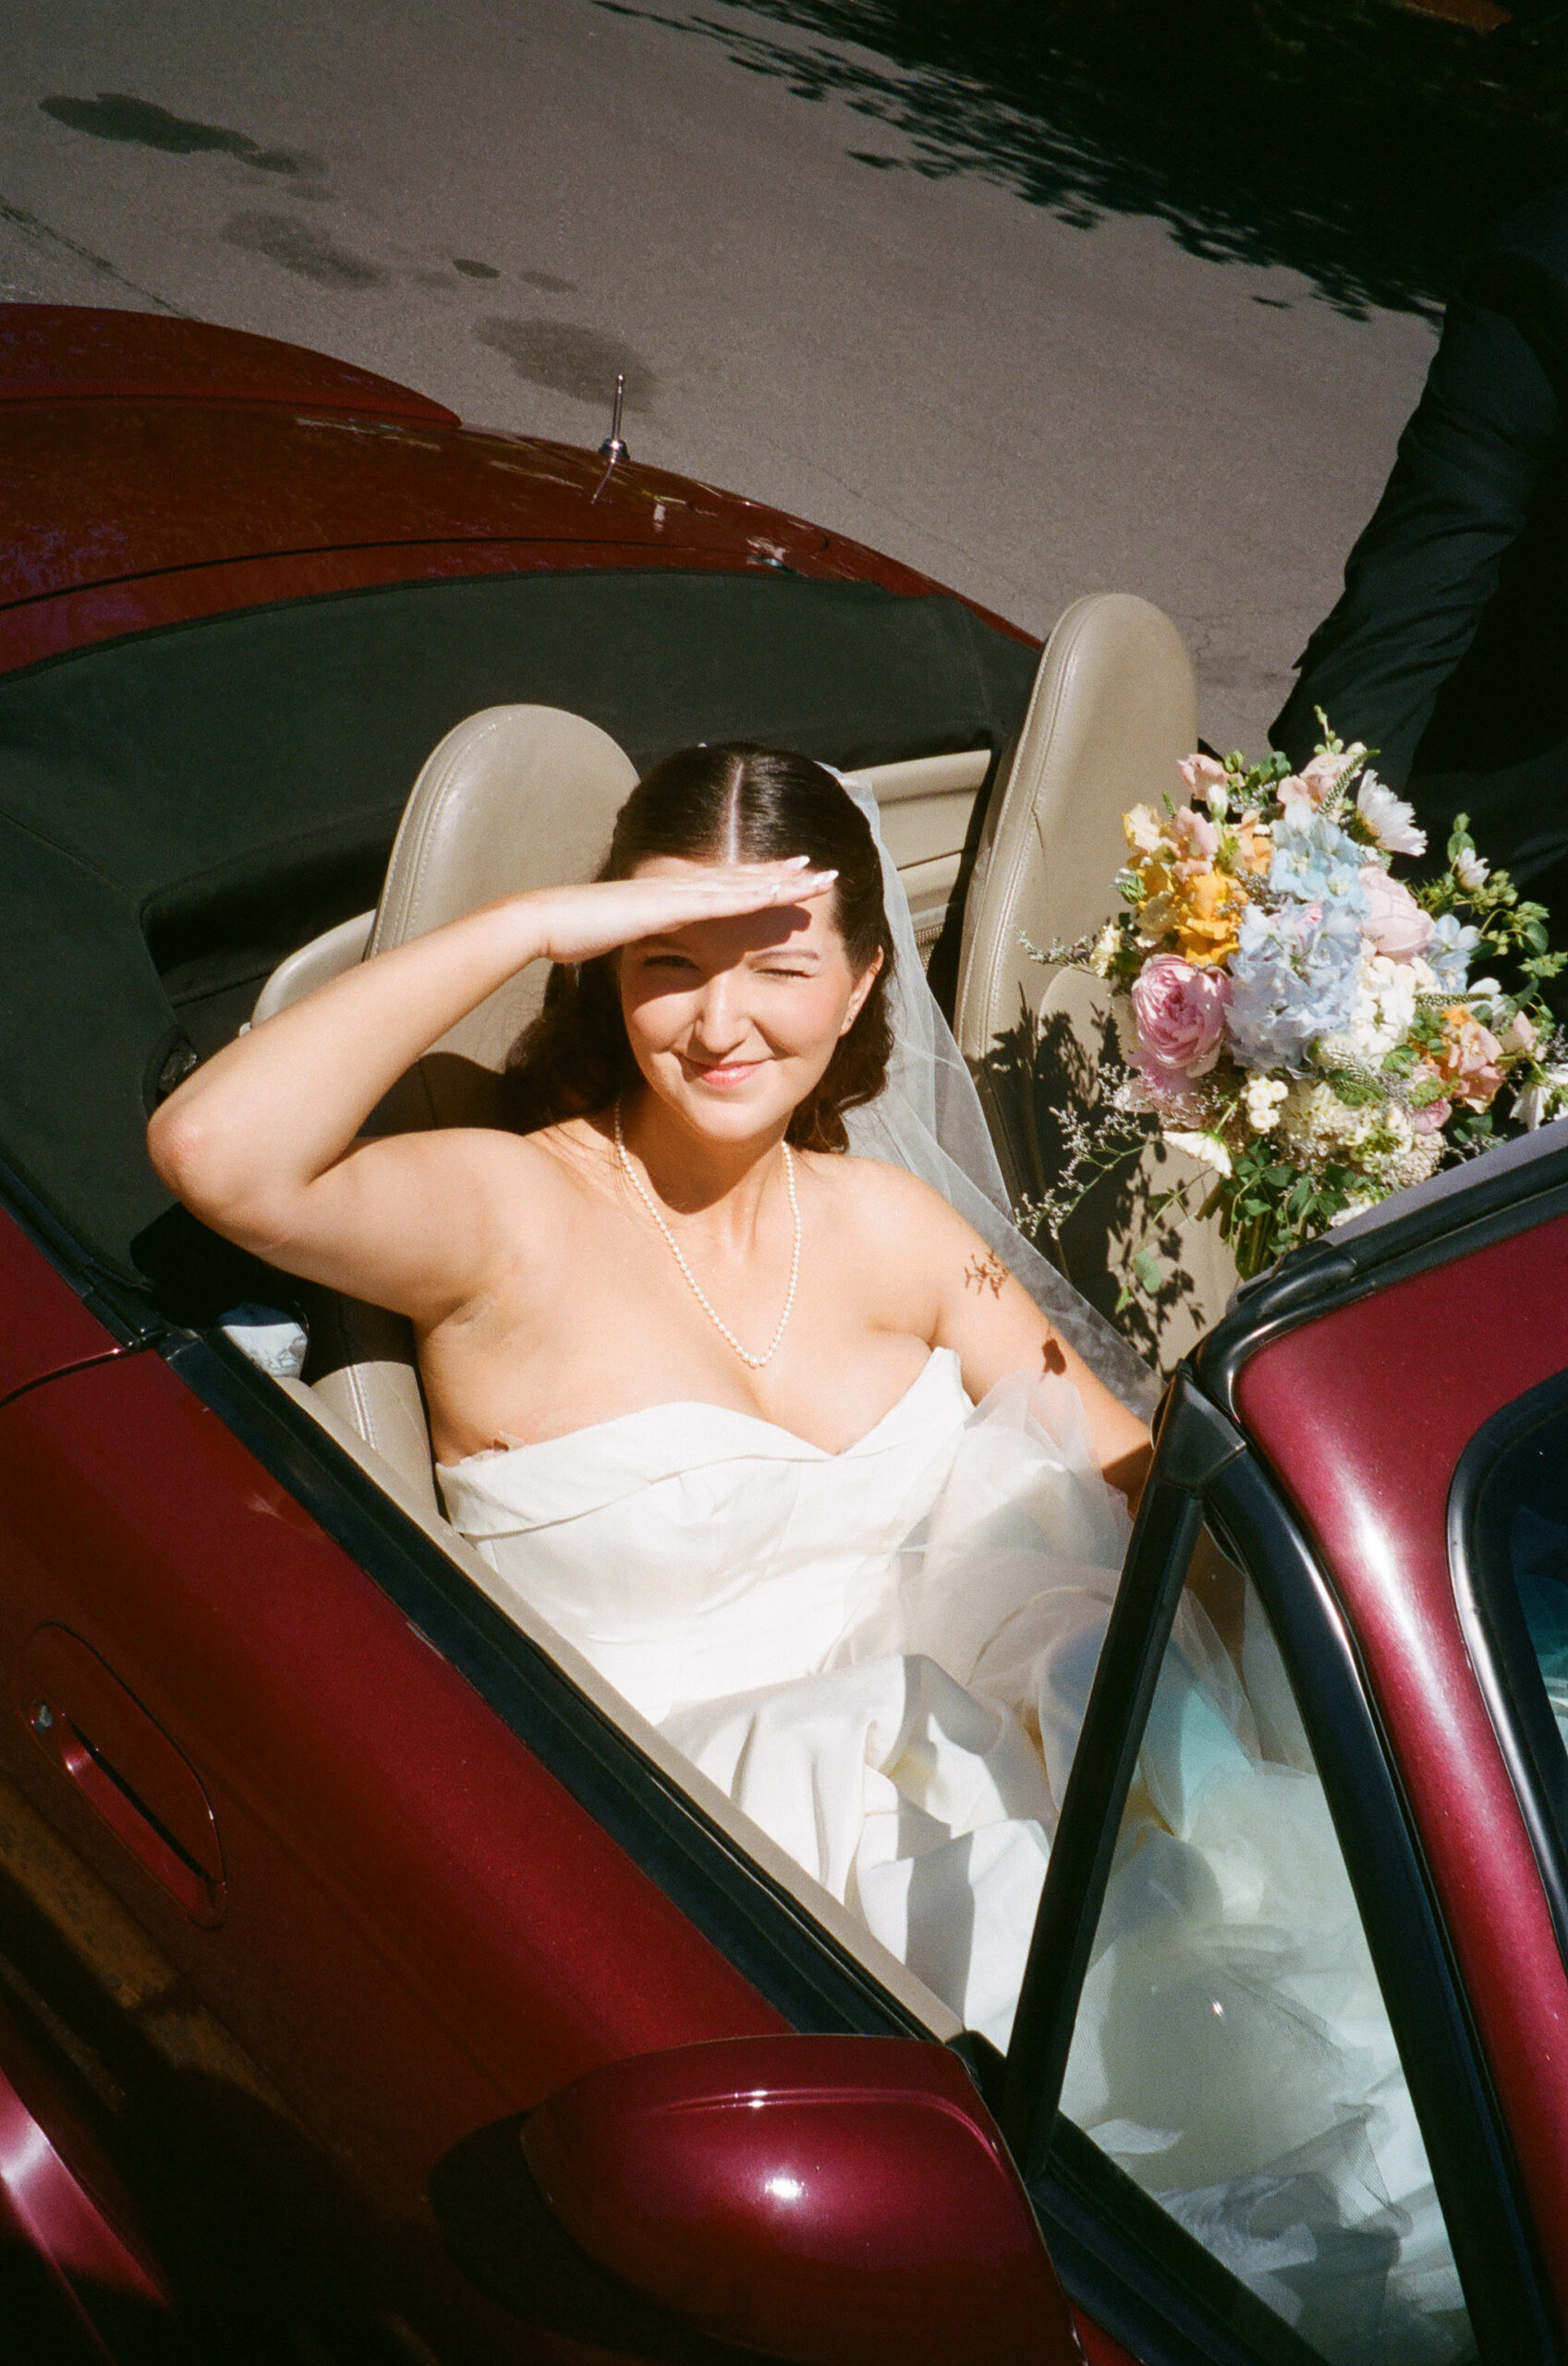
261 1141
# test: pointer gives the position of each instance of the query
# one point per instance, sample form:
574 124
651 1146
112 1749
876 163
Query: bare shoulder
892 1206
517 1189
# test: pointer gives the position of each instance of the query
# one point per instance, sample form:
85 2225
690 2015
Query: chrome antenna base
612 448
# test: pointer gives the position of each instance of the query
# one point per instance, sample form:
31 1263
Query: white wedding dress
881 1656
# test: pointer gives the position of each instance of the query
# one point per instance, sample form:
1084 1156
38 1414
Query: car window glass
1232 2053
1526 1543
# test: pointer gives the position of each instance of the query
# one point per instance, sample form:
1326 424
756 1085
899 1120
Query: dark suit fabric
1448 649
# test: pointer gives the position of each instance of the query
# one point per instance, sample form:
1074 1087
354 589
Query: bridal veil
928 1119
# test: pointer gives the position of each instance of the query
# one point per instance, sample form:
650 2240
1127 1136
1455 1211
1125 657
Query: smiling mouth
724 1074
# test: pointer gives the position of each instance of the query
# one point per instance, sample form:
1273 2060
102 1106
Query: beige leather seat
514 797
1112 711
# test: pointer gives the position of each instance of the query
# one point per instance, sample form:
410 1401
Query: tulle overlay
883 1656
927 1118
1233 2051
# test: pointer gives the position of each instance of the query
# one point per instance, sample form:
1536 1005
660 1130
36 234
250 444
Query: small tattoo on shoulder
987 1272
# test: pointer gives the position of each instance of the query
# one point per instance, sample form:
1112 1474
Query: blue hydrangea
1293 977
1449 953
1315 862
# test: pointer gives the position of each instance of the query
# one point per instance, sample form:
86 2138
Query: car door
1243 2080
291 1907
319 1876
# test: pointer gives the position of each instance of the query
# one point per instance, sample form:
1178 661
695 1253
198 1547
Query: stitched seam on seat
364 1420
441 791
1017 857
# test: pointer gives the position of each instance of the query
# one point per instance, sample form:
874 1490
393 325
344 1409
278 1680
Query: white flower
1390 821
1471 871
1385 1005
1263 1096
1132 1098
1207 1147
1539 1103
1104 952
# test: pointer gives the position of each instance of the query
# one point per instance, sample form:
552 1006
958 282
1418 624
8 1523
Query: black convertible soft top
181 809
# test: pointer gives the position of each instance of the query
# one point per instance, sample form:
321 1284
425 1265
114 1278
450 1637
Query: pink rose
1395 922
1432 1115
1180 1013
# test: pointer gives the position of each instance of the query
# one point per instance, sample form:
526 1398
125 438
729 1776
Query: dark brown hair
726 804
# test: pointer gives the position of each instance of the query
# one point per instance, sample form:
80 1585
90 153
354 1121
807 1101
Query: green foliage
1267 1207
1355 1090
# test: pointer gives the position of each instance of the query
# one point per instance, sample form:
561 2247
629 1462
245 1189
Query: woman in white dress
774 1435
702 1387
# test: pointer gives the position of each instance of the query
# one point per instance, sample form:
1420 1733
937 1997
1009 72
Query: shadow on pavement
1364 144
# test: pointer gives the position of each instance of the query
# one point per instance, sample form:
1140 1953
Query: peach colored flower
1520 1035
1142 829
1325 772
1316 782
1255 848
1196 839
1469 1059
1201 772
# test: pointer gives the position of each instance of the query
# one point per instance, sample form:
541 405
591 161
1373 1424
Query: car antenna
612 448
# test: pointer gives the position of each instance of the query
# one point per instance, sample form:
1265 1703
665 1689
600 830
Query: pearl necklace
756 1362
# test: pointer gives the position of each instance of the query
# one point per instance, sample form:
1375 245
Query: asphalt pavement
505 204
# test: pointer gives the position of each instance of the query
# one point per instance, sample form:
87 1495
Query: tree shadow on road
1349 140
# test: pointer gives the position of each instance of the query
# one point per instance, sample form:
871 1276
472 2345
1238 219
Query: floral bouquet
1295 1017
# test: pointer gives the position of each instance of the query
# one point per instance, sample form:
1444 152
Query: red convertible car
374 1984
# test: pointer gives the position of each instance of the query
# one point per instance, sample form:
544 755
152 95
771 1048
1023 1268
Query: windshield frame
1492 1618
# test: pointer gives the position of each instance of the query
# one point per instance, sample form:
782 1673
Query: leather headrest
514 797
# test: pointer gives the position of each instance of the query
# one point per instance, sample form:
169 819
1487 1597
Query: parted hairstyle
735 803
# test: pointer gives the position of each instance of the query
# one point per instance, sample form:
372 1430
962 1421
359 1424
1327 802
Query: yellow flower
1205 917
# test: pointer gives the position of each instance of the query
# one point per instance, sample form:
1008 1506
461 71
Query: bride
702 1387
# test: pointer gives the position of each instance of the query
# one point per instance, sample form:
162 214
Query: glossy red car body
297 1902
156 470
1384 1395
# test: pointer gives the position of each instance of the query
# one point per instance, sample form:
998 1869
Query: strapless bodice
688 1549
